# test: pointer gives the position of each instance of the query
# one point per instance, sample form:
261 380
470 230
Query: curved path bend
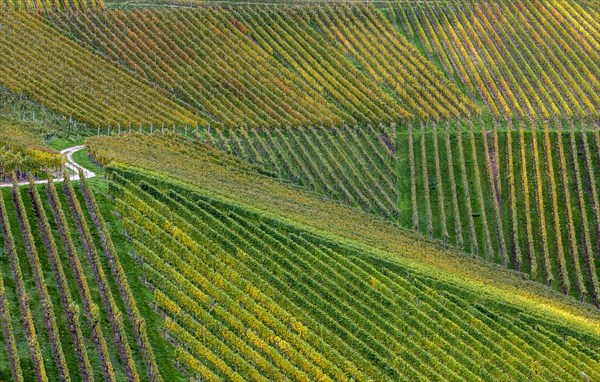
71 165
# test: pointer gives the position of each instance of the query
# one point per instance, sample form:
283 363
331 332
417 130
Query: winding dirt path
71 164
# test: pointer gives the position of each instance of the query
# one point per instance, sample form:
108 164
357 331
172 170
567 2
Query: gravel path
68 153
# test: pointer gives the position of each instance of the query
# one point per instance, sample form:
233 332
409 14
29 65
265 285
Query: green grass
63 141
82 158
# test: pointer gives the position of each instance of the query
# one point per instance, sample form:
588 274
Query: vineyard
213 171
527 59
60 234
307 66
58 73
23 151
299 190
274 75
355 166
524 197
217 268
518 194
35 6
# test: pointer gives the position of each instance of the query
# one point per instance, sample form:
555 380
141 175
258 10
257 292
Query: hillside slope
253 67
376 191
208 169
533 59
23 151
67 310
481 188
73 81
288 302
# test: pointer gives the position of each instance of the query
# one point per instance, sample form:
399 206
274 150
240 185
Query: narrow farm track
71 165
